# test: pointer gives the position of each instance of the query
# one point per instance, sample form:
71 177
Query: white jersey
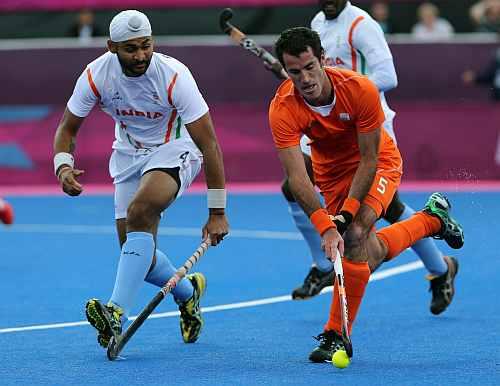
355 41
148 110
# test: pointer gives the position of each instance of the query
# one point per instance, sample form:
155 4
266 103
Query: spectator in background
485 15
380 12
84 27
430 26
490 76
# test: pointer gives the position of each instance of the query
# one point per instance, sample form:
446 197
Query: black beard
129 70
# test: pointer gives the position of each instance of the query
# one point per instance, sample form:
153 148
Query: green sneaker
191 320
105 319
451 231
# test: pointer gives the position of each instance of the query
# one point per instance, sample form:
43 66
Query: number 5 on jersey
382 185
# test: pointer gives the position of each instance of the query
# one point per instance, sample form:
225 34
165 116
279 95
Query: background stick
249 44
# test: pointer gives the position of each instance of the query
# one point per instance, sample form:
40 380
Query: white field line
380 275
163 231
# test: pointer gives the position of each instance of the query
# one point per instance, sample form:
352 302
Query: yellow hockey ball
340 359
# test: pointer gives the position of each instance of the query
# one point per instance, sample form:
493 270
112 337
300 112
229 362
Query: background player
163 133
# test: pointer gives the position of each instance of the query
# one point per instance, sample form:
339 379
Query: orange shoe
6 213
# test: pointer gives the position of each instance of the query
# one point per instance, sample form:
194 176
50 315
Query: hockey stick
339 273
249 44
117 343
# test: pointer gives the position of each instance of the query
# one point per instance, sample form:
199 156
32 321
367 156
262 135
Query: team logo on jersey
344 117
116 96
132 112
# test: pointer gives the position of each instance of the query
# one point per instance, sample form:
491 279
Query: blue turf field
63 251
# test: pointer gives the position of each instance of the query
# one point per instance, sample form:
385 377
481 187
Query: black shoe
329 342
451 231
314 282
442 287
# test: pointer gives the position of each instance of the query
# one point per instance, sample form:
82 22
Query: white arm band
216 198
63 159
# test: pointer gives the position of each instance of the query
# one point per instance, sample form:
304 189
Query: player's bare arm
368 144
363 178
203 134
64 146
303 190
292 161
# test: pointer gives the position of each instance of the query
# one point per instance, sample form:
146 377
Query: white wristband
63 159
216 198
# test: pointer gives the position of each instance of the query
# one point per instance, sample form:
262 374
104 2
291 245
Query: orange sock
401 235
356 277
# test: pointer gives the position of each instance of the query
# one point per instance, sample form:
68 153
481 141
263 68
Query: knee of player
285 189
141 215
395 210
354 237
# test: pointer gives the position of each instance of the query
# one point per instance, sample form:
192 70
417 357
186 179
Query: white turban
128 25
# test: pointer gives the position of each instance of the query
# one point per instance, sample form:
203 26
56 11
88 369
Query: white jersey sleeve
84 97
317 20
187 99
383 74
370 40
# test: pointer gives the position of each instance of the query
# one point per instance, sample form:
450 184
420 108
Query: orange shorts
379 197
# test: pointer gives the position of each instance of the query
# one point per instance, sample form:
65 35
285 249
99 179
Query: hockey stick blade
116 345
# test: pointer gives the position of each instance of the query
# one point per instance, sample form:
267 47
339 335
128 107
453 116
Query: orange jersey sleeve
284 126
370 115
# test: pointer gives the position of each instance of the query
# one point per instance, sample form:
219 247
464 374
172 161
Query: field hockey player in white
163 135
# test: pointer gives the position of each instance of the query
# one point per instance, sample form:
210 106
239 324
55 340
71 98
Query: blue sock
311 236
135 261
164 270
427 250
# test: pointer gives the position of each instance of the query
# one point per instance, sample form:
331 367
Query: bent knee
395 210
285 189
355 237
141 215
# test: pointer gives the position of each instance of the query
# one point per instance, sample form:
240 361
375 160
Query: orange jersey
334 142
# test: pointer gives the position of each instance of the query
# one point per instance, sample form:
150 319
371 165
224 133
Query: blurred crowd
430 26
485 15
84 26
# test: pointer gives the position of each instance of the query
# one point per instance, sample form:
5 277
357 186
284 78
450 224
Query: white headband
128 25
